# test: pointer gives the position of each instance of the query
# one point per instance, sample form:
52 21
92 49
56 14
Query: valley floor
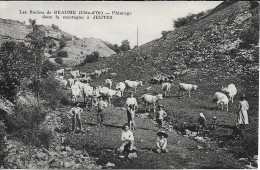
102 142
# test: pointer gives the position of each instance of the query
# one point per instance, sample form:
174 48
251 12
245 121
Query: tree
93 57
125 45
15 64
117 48
37 46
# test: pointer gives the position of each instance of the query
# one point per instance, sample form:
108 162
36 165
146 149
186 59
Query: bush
2 143
164 34
65 100
55 27
14 66
187 19
24 125
50 91
47 68
51 44
58 60
250 35
63 41
93 57
62 54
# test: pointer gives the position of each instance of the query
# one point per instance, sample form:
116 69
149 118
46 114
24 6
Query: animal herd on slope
79 85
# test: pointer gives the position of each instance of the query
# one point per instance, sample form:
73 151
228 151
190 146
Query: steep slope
212 53
76 48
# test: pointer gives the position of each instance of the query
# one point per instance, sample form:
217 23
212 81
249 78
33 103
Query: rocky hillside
212 39
213 51
76 48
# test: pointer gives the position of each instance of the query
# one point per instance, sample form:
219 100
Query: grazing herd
79 85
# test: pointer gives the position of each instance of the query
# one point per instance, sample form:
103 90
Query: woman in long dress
242 118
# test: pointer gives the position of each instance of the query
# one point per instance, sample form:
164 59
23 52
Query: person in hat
76 117
100 108
161 114
201 123
243 106
162 142
128 139
131 108
214 123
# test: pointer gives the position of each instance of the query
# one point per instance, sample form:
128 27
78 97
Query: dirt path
101 142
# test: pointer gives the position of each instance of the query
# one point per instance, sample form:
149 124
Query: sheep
108 82
109 93
133 84
150 99
186 87
231 90
121 86
166 87
222 99
61 71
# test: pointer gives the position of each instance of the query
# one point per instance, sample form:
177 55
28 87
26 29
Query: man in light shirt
131 100
127 138
131 107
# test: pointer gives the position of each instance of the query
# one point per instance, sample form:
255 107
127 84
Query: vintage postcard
129 85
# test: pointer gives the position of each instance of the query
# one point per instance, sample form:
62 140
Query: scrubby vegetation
250 35
14 58
93 57
62 54
190 18
58 60
2 142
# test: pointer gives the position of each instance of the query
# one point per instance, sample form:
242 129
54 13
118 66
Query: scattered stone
132 155
66 165
78 160
91 166
200 147
67 148
109 164
54 164
251 167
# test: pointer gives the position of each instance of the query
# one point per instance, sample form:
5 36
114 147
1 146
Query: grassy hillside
75 47
212 52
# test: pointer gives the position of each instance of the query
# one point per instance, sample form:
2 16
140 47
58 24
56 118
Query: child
201 124
162 142
127 138
161 114
101 106
214 123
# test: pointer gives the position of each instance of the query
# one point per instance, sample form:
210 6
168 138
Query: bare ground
101 142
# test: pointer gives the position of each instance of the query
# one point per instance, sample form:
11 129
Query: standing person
131 100
100 108
161 114
214 123
242 118
131 108
162 142
76 117
128 139
201 124
95 96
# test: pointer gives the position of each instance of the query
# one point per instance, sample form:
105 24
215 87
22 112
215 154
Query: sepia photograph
129 84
